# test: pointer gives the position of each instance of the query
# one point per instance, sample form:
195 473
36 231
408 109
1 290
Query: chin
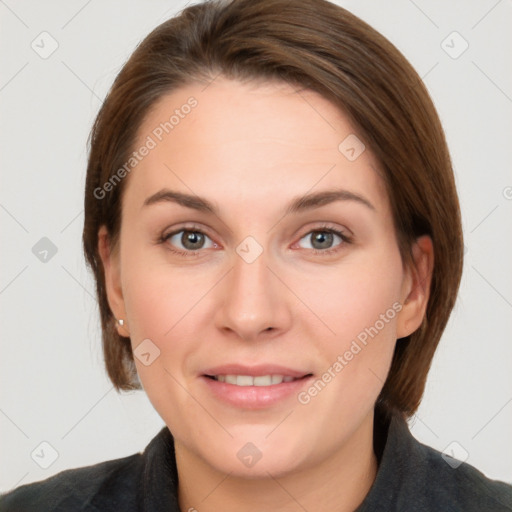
254 454
276 465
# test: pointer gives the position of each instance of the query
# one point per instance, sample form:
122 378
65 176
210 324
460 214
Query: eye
322 239
192 240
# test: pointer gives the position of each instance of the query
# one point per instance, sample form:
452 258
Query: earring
120 322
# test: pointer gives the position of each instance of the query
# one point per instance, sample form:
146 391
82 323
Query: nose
253 301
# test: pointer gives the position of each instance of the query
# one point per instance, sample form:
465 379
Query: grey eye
190 240
321 239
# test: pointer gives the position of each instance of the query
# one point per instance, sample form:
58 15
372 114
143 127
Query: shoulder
414 476
109 485
460 486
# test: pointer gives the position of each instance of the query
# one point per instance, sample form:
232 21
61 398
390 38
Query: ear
416 287
111 267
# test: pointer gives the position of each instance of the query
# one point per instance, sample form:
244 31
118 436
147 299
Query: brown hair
316 45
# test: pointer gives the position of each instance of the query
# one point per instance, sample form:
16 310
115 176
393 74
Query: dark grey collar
416 477
159 486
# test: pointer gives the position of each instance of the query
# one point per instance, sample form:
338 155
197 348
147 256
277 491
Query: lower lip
255 397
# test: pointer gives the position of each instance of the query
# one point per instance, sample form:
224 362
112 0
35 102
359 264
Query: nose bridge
253 298
250 263
250 278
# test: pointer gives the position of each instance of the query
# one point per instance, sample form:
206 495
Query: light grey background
53 386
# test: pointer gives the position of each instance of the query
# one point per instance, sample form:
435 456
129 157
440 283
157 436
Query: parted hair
311 44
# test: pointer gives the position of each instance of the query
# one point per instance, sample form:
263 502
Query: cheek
158 295
358 296
158 300
151 305
360 305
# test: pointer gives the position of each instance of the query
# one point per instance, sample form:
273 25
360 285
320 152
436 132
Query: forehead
251 143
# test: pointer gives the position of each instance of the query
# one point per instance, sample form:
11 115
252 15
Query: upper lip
255 371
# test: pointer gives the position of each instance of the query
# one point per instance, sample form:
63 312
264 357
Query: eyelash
322 229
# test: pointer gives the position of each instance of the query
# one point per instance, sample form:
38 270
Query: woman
273 225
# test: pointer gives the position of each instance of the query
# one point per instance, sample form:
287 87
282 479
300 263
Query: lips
254 387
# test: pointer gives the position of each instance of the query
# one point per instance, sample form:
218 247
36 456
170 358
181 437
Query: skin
250 148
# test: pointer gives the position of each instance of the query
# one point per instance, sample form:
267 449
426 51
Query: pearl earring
120 322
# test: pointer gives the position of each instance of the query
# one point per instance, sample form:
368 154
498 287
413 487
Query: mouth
254 387
260 380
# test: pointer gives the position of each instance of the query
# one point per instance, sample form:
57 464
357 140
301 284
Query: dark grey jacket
411 477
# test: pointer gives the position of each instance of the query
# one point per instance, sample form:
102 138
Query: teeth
244 380
248 380
230 379
264 380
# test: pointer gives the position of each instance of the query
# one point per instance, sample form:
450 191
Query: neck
339 482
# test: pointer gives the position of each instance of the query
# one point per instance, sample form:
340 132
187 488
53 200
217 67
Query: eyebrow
296 205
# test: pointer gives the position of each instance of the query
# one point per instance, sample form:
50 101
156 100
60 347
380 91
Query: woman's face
263 324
